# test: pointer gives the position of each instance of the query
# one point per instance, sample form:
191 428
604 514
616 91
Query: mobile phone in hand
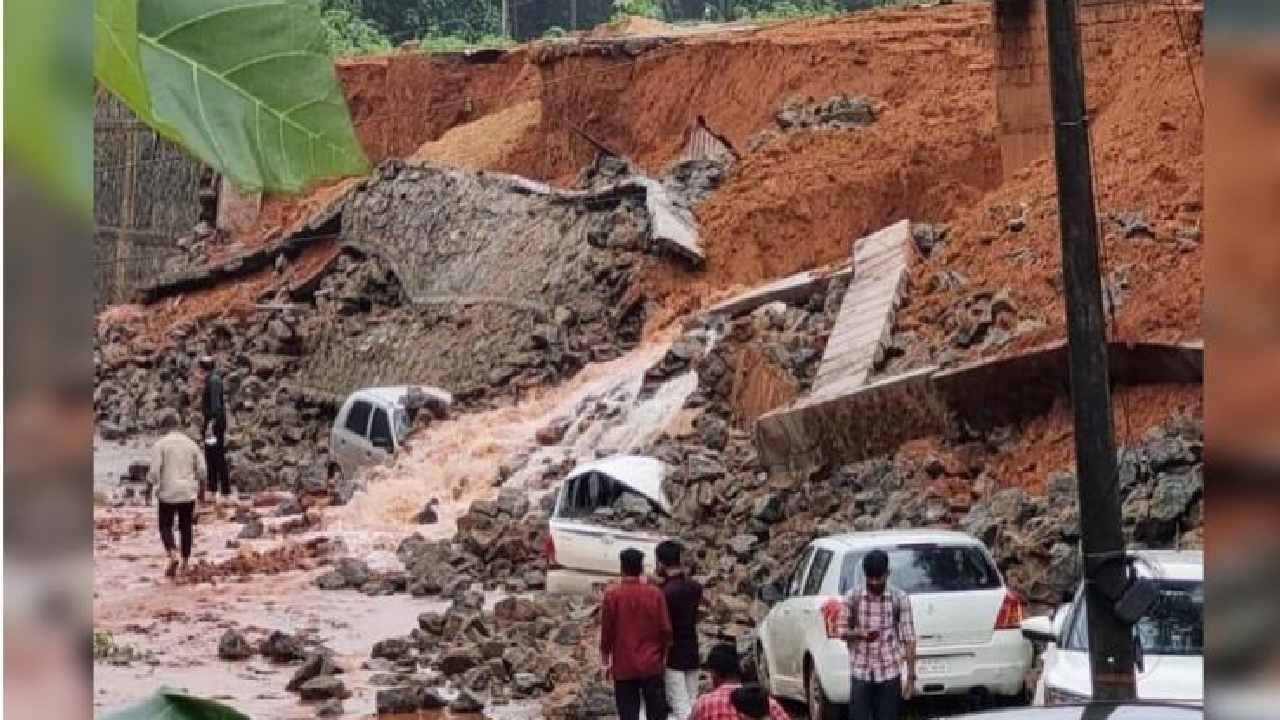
873 635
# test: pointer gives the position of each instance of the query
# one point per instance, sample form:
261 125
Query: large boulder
392 648
456 662
316 665
233 646
466 703
512 502
324 687
252 529
354 570
281 647
516 609
332 580
1174 492
396 701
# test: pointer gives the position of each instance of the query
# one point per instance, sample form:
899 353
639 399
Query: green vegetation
443 23
209 81
454 43
795 11
103 644
169 704
347 34
623 9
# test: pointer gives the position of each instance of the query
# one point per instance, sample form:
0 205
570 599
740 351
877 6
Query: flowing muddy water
176 628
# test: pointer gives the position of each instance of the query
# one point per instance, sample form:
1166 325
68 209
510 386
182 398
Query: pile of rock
839 112
743 527
522 648
276 438
314 680
498 544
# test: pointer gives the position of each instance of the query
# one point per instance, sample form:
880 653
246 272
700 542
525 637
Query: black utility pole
1111 652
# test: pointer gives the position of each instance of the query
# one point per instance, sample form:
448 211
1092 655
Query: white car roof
1171 564
640 473
889 538
394 394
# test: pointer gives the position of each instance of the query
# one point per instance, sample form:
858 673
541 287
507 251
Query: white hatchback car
968 637
1171 661
372 424
583 553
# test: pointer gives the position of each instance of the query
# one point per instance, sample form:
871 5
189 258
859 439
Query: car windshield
928 568
1175 625
402 423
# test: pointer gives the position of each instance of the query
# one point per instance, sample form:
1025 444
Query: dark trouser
215 460
629 693
875 700
183 511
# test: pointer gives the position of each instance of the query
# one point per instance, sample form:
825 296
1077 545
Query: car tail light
549 547
1010 617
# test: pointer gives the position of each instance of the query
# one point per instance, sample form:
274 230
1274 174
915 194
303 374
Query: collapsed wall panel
880 263
878 417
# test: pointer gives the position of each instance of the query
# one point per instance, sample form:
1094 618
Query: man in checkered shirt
875 620
728 692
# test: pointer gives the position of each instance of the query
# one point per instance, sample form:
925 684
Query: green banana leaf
247 86
48 123
116 62
170 704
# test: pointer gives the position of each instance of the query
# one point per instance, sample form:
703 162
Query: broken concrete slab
669 227
873 419
865 322
703 143
791 290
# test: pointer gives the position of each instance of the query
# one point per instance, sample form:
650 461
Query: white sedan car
1171 661
967 622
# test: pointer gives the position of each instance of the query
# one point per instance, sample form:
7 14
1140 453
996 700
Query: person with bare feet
177 472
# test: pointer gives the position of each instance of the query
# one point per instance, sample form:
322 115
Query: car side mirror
1039 629
771 594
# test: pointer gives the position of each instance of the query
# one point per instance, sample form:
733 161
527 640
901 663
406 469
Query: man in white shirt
177 472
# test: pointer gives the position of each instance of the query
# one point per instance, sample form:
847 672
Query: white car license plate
929 666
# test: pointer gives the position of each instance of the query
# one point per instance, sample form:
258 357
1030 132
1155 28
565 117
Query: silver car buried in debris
372 425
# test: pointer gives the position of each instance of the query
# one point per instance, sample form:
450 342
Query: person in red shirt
729 699
635 635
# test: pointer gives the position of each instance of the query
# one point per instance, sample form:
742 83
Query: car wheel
819 707
762 670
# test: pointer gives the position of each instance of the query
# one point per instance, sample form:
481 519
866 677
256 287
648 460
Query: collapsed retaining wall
512 283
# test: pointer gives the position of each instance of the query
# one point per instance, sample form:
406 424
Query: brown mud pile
289 557
399 102
485 143
1147 130
151 326
1046 444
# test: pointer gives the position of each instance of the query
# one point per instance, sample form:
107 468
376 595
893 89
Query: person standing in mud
684 596
177 472
213 407
635 636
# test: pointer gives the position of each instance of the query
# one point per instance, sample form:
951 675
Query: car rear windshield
1175 625
584 495
928 568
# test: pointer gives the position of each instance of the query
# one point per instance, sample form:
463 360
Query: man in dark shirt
635 635
213 408
683 595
